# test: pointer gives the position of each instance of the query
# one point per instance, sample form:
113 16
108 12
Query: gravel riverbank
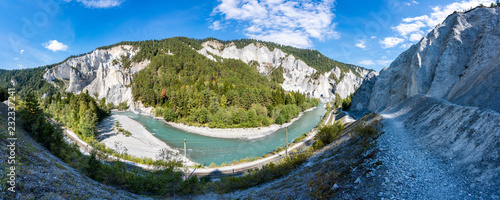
141 143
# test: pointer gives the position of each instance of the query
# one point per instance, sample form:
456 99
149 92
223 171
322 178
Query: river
205 150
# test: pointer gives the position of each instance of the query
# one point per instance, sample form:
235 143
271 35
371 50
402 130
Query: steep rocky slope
101 72
41 175
445 93
459 60
464 136
297 74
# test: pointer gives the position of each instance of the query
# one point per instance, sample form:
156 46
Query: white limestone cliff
297 73
96 73
446 91
459 61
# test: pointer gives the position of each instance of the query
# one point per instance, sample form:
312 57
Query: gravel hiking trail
413 172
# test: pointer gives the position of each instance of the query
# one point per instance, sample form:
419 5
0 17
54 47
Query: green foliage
80 112
122 106
126 62
115 62
369 130
30 111
190 88
334 77
93 166
346 103
169 115
342 74
119 129
300 138
338 101
277 75
28 80
328 134
267 173
4 94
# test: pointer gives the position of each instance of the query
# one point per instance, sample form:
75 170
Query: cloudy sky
370 34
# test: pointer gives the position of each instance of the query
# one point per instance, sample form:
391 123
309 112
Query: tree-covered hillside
27 80
190 88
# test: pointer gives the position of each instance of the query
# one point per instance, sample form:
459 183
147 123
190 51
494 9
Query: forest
80 112
190 88
27 80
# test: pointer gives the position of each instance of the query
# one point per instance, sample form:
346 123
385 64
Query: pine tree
30 111
88 123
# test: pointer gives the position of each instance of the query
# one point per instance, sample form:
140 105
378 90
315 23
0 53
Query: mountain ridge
445 90
457 61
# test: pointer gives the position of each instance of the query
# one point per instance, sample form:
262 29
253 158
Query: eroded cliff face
445 90
100 72
297 74
459 61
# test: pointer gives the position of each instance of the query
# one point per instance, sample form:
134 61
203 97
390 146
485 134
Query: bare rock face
297 74
459 61
100 72
359 100
446 90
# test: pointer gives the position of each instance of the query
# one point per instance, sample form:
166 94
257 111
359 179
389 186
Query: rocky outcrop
100 72
359 100
459 60
297 74
445 90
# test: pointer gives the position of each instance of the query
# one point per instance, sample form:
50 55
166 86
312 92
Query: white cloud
410 27
406 45
54 45
16 58
21 52
390 42
384 62
373 37
215 25
20 66
289 22
410 3
405 29
367 62
99 3
361 44
415 37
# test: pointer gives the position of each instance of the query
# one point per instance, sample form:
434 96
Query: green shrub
169 115
269 172
328 133
123 106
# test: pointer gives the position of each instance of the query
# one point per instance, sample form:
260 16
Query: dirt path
412 172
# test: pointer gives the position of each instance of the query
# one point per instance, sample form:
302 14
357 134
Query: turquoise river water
205 150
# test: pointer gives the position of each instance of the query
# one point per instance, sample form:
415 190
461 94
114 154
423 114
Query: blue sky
366 33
